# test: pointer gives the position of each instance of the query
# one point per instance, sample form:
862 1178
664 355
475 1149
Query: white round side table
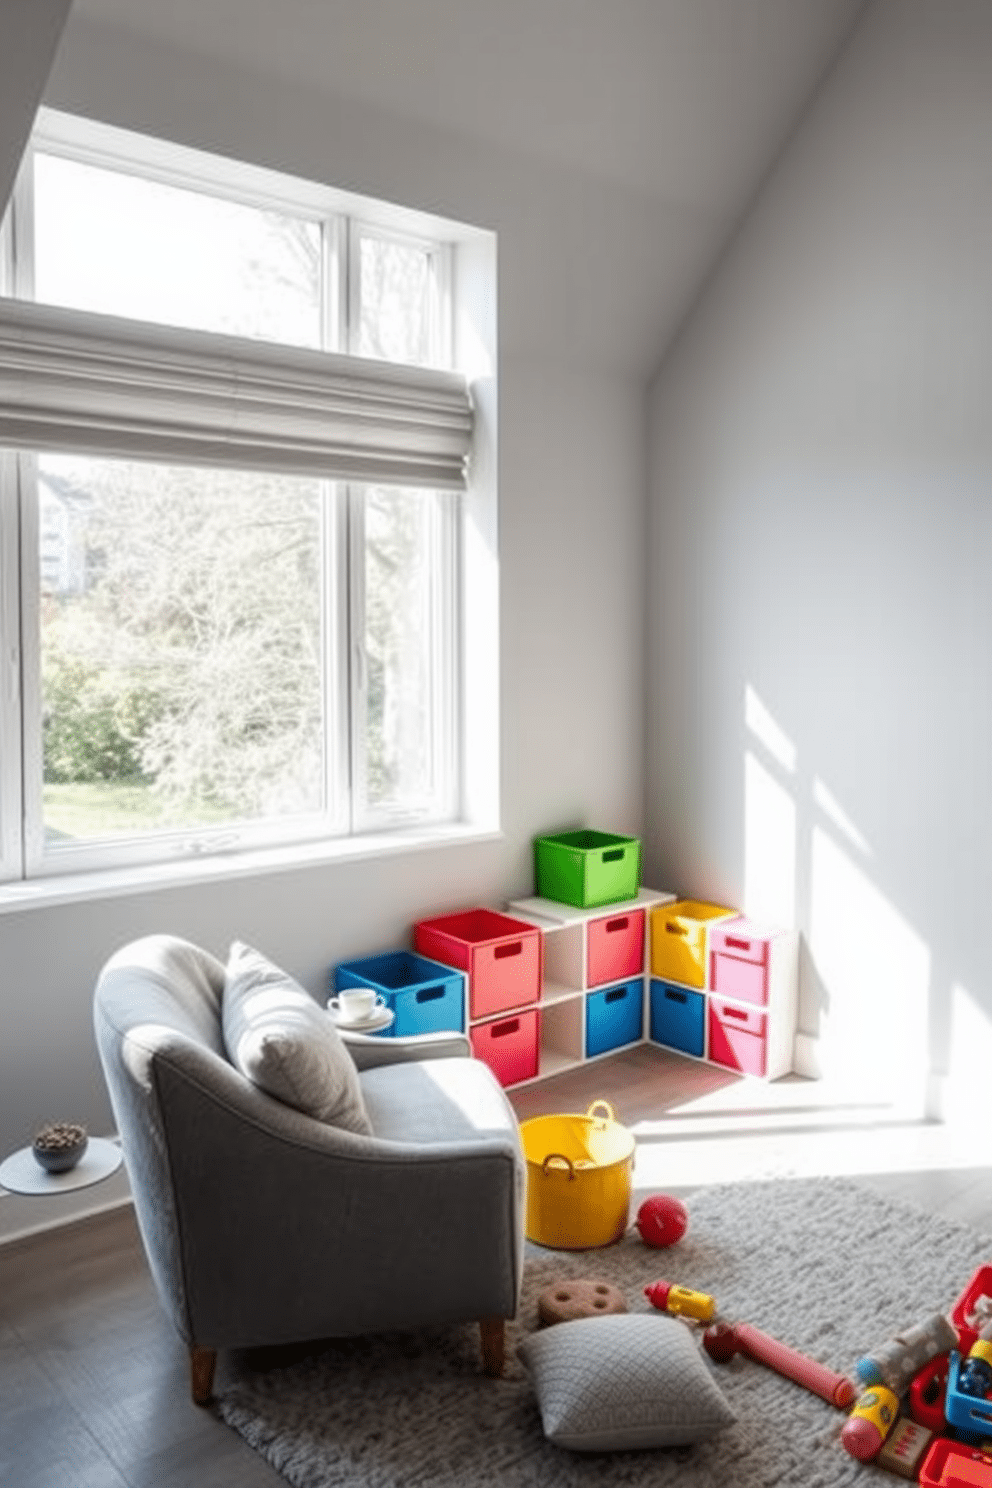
21 1173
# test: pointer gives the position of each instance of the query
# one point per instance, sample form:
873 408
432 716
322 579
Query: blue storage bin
678 1017
425 996
970 1415
614 1016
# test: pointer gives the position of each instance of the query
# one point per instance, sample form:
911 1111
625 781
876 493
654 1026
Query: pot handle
558 1157
606 1107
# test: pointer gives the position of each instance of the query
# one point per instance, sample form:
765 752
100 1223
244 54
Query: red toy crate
738 1037
501 956
980 1285
739 955
951 1464
615 948
508 1045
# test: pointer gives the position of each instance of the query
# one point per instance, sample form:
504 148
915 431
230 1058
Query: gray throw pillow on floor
617 1382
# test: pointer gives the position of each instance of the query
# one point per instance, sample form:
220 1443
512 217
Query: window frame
22 854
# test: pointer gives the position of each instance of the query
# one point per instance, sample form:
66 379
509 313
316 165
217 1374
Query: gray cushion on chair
279 1038
437 1100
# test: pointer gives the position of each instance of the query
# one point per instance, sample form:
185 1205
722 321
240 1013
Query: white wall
821 515
572 509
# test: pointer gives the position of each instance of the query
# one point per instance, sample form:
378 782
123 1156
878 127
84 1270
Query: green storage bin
587 868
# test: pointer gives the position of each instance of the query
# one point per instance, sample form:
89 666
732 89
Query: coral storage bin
502 957
678 940
587 868
615 948
578 1178
510 1046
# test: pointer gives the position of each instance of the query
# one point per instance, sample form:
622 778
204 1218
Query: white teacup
356 1004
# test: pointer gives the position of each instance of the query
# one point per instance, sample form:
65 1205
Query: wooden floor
94 1385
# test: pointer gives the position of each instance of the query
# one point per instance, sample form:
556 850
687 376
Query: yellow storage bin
578 1178
678 940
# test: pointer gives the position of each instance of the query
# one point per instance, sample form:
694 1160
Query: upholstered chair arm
373 1053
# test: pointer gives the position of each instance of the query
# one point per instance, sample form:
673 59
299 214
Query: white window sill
111 883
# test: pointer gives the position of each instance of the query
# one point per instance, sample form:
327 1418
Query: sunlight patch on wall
874 974
965 1096
764 727
832 809
769 847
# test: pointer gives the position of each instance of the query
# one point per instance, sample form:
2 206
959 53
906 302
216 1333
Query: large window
233 446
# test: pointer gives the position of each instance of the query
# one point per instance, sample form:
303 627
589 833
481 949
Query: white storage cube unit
581 948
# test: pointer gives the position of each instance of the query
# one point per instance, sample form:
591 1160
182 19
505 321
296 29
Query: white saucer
381 1018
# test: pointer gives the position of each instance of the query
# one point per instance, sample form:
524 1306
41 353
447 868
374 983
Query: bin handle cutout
558 1157
617 994
673 996
737 945
620 924
428 994
606 1107
500 1030
673 927
614 855
738 1013
508 950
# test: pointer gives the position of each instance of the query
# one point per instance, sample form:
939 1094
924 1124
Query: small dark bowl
60 1159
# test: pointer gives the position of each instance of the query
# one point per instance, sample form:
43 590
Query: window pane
120 245
404 646
397 317
181 647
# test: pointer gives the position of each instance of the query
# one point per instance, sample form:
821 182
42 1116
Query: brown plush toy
567 1300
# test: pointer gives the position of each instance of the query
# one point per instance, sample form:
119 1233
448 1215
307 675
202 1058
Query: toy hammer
724 1340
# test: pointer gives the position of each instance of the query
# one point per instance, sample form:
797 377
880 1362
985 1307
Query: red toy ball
662 1220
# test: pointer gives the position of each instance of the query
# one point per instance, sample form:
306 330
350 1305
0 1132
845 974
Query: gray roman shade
78 382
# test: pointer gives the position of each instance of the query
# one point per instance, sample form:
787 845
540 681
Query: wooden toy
722 1341
904 1448
681 1301
662 1220
583 1298
870 1422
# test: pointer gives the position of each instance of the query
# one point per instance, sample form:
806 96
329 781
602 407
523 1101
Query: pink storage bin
737 1037
502 957
615 948
508 1045
739 958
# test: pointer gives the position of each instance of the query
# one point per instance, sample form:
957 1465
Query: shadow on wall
867 979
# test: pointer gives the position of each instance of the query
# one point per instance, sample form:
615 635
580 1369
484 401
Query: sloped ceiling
29 34
662 115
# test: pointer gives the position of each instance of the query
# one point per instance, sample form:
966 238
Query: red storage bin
502 957
738 1037
615 948
951 1464
508 1045
739 956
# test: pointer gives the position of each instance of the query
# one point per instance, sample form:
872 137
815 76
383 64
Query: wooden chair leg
493 1334
202 1362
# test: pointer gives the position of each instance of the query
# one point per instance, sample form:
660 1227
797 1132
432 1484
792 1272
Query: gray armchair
265 1226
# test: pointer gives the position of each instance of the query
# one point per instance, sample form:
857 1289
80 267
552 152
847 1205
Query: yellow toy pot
578 1178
